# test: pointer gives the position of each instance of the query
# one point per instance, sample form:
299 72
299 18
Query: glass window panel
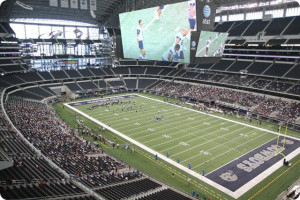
70 32
94 33
237 17
254 15
58 31
19 29
32 31
84 32
45 31
293 12
276 13
224 18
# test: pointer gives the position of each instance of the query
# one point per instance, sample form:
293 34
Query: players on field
172 54
208 42
158 118
159 11
140 39
192 15
219 51
180 39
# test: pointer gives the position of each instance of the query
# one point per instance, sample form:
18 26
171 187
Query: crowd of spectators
271 105
290 112
258 103
80 158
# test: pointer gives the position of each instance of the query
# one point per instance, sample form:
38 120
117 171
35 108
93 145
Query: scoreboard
180 32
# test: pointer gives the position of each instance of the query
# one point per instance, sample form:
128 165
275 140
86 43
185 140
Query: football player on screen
192 15
219 51
140 38
171 54
208 42
180 39
159 11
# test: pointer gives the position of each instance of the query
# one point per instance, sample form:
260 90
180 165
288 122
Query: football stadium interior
150 99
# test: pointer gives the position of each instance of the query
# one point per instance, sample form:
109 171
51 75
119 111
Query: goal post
283 141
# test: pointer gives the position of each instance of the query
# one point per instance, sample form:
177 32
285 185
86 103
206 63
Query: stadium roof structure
41 9
107 10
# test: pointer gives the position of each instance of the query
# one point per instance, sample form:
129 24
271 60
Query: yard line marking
198 138
151 124
205 47
174 133
207 141
225 119
151 22
222 144
177 28
238 157
168 125
182 136
146 114
227 151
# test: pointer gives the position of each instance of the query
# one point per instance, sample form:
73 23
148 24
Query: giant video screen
161 33
211 44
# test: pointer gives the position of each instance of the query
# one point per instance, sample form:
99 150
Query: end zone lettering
258 159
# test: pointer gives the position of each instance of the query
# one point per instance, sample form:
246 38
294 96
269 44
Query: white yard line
236 158
130 130
151 22
229 151
174 132
236 122
235 194
208 142
139 117
179 131
210 133
205 47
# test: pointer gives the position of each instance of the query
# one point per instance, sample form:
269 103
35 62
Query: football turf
203 141
159 35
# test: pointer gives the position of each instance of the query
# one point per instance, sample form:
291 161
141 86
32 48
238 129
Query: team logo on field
229 176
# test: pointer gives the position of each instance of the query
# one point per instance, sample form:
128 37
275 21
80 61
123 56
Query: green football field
159 35
197 138
214 46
